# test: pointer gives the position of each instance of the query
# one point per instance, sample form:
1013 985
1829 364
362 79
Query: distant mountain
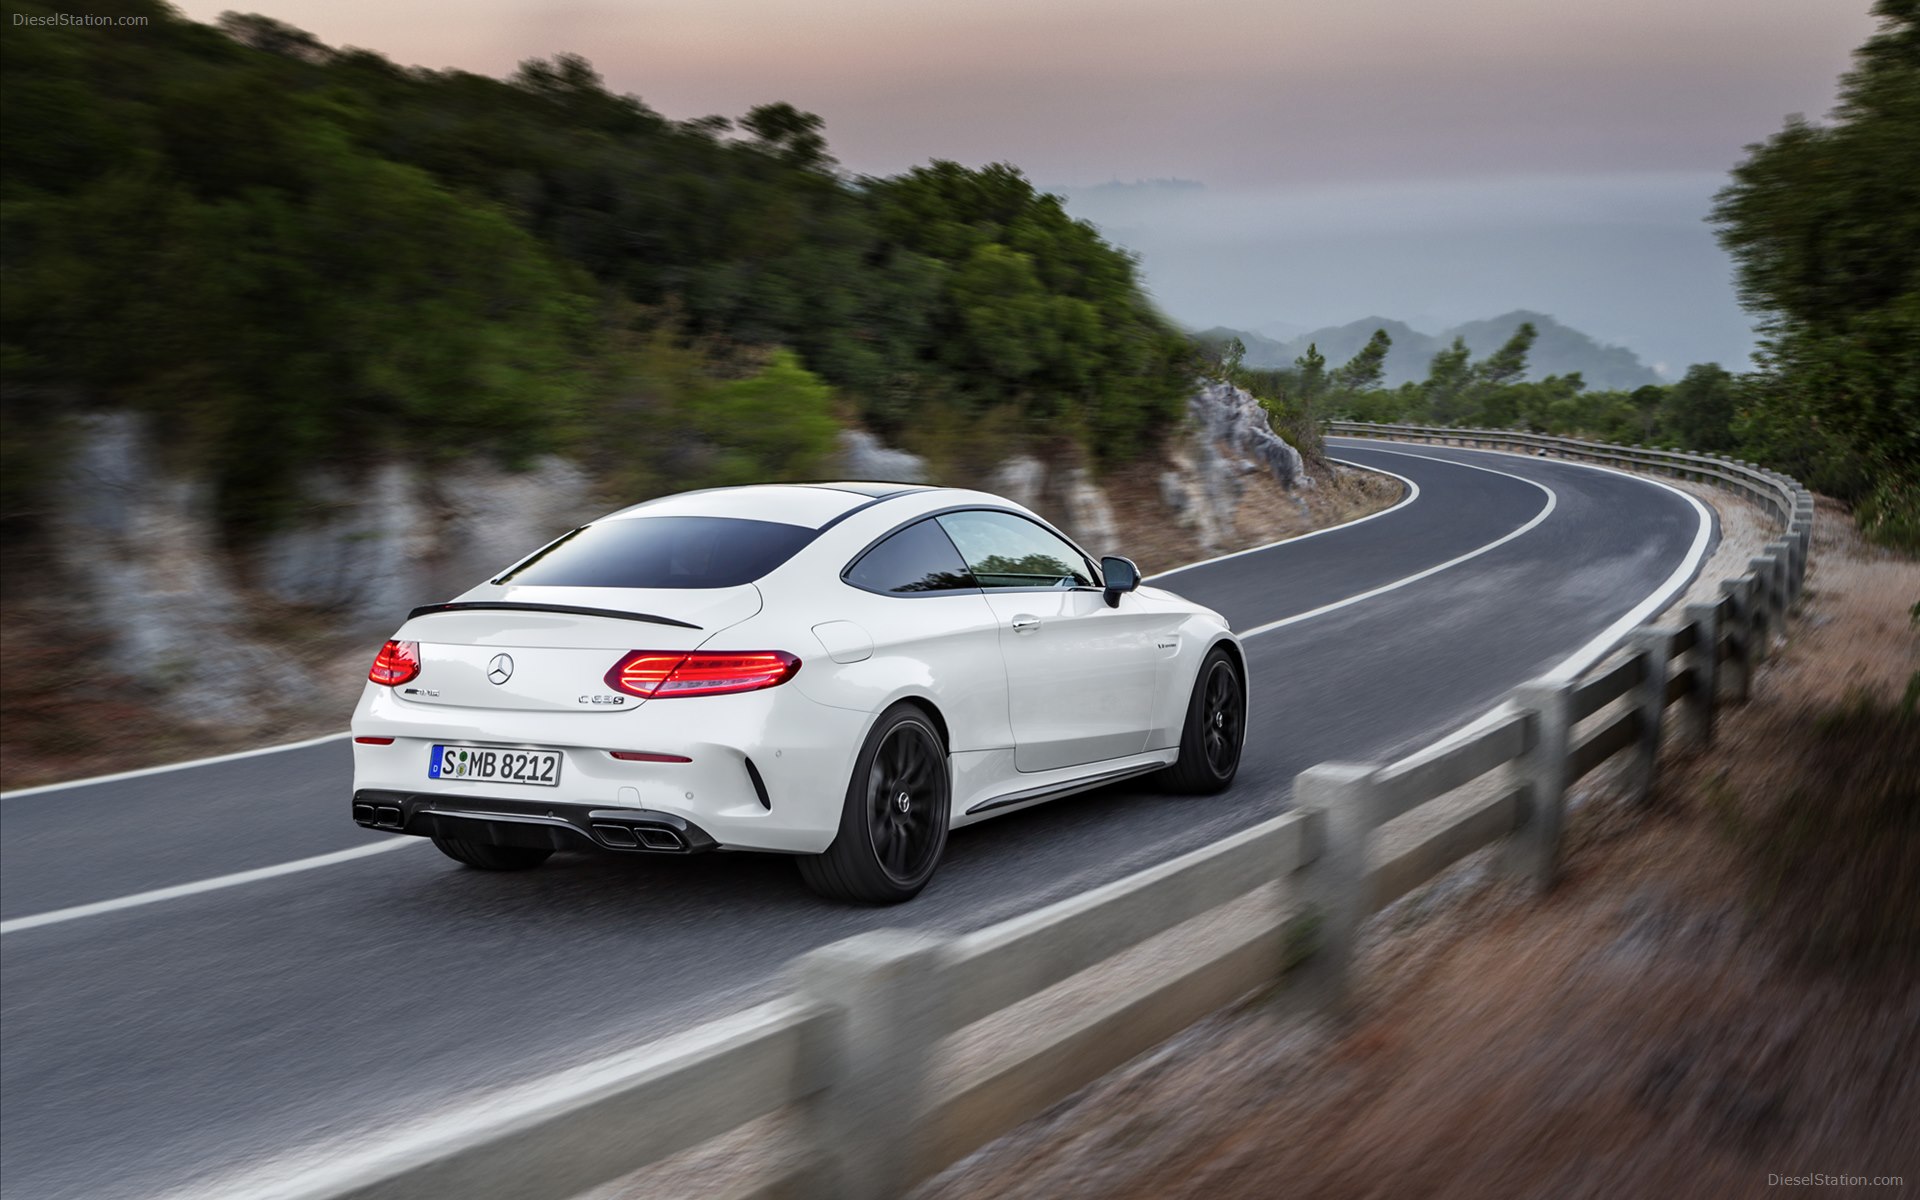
1558 350
1283 330
1140 185
1261 351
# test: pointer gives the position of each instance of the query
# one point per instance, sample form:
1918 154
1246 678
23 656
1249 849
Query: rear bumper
499 821
765 770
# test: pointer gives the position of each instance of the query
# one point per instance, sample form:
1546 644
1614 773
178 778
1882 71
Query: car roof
814 505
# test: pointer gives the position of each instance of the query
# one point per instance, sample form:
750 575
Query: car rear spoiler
523 606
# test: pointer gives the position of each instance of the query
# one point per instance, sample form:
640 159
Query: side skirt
1065 787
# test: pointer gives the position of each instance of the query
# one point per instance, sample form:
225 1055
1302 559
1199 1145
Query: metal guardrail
850 1049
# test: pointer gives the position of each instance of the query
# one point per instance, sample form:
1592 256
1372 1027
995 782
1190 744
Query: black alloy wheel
893 825
902 789
1215 728
1222 718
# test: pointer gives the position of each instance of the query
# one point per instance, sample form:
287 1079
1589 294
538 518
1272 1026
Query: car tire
488 857
1215 729
893 824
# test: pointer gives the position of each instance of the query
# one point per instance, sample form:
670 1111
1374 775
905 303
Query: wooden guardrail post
861 1127
1346 796
1705 663
1649 699
1533 852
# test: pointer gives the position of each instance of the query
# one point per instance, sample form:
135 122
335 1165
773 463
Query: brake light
660 674
396 663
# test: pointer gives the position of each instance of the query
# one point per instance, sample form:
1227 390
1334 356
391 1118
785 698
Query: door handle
1025 623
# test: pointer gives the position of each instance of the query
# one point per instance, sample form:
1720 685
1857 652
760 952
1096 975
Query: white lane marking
1553 501
1576 664
19 793
1413 493
238 878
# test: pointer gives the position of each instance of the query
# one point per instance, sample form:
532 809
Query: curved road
149 1044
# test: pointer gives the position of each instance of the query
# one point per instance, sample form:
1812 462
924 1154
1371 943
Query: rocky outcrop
864 456
138 549
374 546
1226 439
1229 437
1067 495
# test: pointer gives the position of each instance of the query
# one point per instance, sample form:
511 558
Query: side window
1006 551
917 559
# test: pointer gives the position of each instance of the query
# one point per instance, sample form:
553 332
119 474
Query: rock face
374 547
1229 417
1229 437
142 548
1067 495
863 456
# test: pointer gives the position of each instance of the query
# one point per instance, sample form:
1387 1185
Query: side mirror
1121 576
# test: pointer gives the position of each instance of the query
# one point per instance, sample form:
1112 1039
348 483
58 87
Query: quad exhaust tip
616 835
381 816
638 837
660 839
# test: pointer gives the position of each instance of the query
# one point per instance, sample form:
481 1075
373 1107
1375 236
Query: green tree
1824 224
777 424
1034 309
1697 412
786 131
1310 384
1363 371
1447 390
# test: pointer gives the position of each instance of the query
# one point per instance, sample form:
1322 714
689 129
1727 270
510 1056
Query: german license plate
484 764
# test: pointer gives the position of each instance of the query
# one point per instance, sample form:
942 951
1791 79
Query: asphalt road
145 1046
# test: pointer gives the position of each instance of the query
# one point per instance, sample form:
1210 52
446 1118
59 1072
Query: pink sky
1227 91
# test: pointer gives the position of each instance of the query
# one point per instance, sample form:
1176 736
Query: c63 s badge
603 699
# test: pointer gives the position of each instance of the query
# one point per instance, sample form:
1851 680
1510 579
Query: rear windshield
663 552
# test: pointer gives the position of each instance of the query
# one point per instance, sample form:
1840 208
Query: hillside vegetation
289 254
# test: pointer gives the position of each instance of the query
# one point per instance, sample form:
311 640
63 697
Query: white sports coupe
838 671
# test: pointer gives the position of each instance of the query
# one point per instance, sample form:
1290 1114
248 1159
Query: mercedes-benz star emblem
500 669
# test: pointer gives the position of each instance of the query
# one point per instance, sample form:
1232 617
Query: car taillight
396 663
659 674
